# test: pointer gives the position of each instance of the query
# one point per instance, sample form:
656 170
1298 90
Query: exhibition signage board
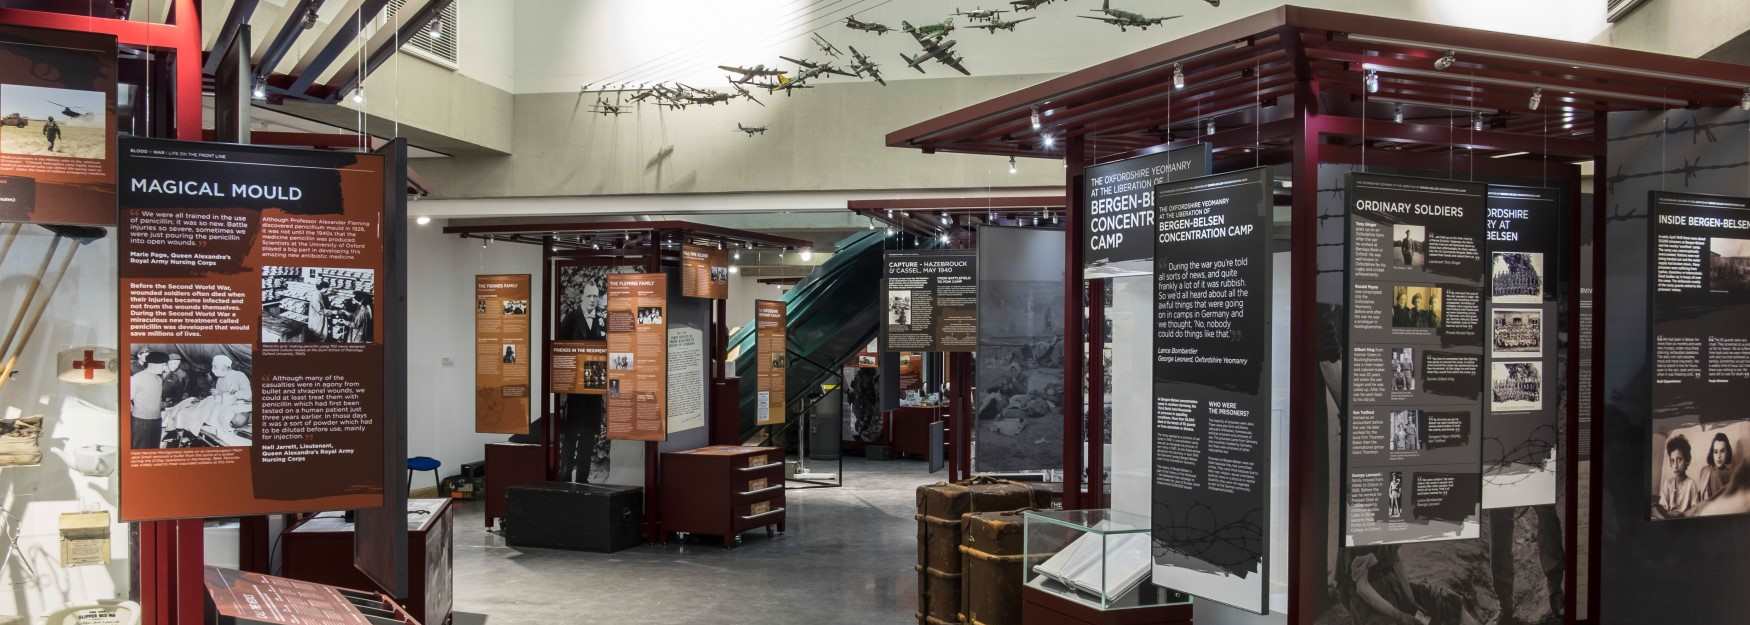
578 367
57 127
577 361
1520 444
501 354
1119 221
1019 378
249 279
245 597
704 272
1699 296
771 359
637 356
1415 366
932 301
1211 490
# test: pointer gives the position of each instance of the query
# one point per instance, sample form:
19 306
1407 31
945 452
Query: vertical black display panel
1520 442
1416 360
1119 223
1699 283
931 301
1211 488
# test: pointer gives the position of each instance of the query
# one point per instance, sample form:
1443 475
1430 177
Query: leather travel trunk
566 515
940 508
992 569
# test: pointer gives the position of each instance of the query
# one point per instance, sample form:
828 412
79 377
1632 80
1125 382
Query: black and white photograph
1403 368
613 387
649 315
1516 333
1020 376
1516 278
899 308
317 305
1409 246
621 361
1520 460
46 121
515 306
1406 430
595 374
1728 265
1394 496
509 355
583 301
1696 469
1416 307
719 274
191 395
1515 386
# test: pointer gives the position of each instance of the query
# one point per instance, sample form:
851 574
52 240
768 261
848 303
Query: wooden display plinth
320 550
722 491
1040 607
507 465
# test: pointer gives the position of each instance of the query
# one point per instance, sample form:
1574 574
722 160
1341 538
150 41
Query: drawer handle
761 467
762 514
763 490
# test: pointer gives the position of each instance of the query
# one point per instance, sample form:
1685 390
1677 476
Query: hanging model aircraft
1028 5
743 93
928 30
750 130
937 49
785 84
1125 20
811 69
825 46
987 15
749 73
604 107
865 67
994 26
869 27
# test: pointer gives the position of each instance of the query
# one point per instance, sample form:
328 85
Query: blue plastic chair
425 463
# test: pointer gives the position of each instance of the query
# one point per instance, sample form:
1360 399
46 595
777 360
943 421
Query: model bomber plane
987 15
937 49
825 46
865 67
750 73
750 130
994 26
810 69
1125 20
929 30
1028 5
869 27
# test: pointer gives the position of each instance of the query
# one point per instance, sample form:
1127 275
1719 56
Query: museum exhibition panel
372 312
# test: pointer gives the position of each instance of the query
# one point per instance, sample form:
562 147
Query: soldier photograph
1516 278
1409 246
1416 307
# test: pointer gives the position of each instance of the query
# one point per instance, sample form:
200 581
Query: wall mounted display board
57 126
501 353
637 356
704 272
249 280
1699 294
772 358
1520 433
932 301
1416 366
1119 223
1018 406
579 367
1212 344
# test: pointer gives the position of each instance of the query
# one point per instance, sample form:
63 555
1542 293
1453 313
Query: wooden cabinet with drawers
723 490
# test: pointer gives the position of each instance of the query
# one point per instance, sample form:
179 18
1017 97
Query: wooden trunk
992 569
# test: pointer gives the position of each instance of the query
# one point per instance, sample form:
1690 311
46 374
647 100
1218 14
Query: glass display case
1099 558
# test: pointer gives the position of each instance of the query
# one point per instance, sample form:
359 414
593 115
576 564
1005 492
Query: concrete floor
847 557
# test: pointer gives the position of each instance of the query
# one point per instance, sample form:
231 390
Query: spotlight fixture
734 269
1034 117
422 220
1446 60
259 91
1397 114
485 242
890 231
736 255
1745 103
1049 141
807 254
436 29
1371 80
358 95
1477 124
1536 98
944 238
1178 76
1012 159
1209 127
310 15
890 213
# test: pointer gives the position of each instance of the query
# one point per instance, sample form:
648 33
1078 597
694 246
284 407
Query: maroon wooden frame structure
645 243
1302 87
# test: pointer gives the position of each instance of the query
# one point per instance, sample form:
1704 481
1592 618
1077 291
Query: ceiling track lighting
1048 141
436 28
1371 81
1034 117
807 254
1012 159
1446 60
944 238
1477 123
1745 102
358 95
1536 98
890 231
734 269
485 242
1397 113
422 220
1178 76
1209 127
259 91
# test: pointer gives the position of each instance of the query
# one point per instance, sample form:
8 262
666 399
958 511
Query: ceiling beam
349 76
341 34
239 15
290 28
